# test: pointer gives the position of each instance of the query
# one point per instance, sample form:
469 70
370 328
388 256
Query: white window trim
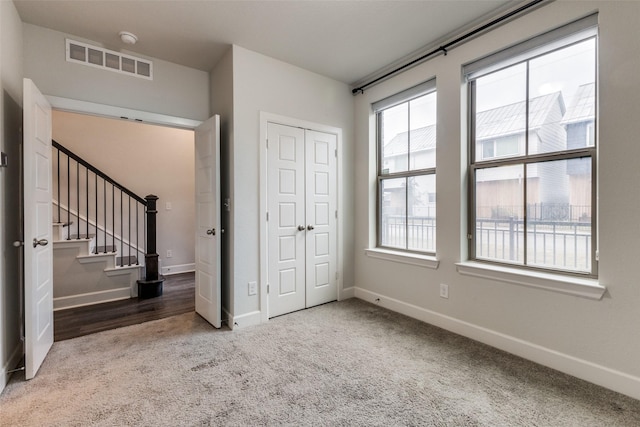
426 261
571 285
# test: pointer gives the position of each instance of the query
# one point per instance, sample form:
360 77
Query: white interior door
301 202
286 225
321 213
208 228
38 251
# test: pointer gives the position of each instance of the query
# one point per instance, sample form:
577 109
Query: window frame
426 88
588 151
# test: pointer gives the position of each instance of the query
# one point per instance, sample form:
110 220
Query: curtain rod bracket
444 50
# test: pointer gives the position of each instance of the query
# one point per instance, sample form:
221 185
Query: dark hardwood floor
177 298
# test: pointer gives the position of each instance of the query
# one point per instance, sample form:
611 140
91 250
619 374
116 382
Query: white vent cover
93 56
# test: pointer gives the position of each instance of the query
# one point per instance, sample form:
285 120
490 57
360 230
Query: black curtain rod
444 48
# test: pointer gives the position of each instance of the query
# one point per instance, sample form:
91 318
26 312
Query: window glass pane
393 213
561 98
421 217
559 214
395 142
422 133
500 105
499 193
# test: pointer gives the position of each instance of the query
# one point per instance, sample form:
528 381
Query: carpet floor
344 363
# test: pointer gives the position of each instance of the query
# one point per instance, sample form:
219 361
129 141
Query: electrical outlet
444 290
169 253
168 206
253 288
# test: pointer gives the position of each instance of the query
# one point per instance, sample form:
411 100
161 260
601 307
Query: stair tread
105 249
126 260
81 236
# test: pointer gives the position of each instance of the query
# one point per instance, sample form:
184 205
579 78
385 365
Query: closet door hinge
267 216
336 214
267 288
335 152
267 141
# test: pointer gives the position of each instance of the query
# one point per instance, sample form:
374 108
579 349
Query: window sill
425 261
582 287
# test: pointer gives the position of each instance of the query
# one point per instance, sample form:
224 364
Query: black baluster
129 223
78 198
104 195
59 198
68 198
86 177
121 232
137 234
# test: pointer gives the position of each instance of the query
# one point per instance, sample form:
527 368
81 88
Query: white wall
222 104
147 159
175 90
593 339
264 84
10 124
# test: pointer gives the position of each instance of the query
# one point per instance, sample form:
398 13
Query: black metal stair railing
99 207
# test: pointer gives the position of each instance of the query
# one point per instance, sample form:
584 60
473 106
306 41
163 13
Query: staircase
99 234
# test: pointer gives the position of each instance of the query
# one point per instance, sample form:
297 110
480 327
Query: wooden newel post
151 285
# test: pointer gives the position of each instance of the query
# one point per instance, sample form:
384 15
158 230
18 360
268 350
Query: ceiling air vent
93 56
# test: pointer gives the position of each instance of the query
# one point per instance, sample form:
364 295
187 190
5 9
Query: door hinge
267 216
469 236
335 152
336 214
267 288
336 275
267 144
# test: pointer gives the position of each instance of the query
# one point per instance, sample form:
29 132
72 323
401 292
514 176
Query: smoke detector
128 38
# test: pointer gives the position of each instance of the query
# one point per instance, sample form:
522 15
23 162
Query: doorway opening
147 159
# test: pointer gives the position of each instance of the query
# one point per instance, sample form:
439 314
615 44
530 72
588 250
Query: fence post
151 285
511 239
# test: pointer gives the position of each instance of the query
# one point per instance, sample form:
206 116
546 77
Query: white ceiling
344 40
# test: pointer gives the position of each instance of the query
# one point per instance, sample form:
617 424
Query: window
406 169
533 152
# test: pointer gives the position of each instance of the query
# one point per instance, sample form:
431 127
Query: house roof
421 139
583 106
510 119
497 122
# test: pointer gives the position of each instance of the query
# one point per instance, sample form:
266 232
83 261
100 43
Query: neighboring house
423 151
579 122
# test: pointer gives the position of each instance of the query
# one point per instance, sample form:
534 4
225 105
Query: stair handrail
97 171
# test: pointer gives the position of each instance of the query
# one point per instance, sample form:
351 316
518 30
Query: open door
208 229
38 251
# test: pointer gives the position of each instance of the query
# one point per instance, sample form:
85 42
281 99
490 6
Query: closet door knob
310 227
301 228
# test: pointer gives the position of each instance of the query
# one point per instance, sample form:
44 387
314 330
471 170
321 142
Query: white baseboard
244 320
80 300
583 369
347 293
11 364
176 269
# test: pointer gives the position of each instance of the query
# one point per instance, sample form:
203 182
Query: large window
407 170
533 152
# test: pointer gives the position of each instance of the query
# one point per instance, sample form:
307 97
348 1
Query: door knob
310 227
41 242
211 232
301 228
18 243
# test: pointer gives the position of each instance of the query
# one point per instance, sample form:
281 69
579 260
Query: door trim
266 118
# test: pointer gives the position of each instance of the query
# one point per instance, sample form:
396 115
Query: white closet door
321 242
286 222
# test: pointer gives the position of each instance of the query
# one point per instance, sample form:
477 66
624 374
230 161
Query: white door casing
38 251
208 222
301 229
